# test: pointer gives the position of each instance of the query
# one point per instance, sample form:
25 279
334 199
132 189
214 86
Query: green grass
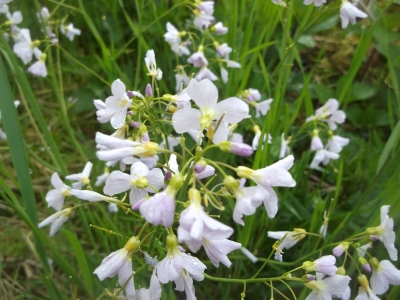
298 55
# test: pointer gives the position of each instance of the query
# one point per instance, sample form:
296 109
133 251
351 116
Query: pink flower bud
199 167
149 91
130 94
136 206
367 267
135 124
374 238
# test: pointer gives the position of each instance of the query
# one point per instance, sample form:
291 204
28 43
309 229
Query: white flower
153 293
323 156
102 178
116 106
204 14
141 181
81 178
205 73
25 48
14 18
279 2
223 50
363 294
172 36
112 208
385 232
39 67
195 225
247 200
349 12
218 249
55 198
326 288
181 79
90 196
383 274
285 150
198 59
180 268
70 31
4 6
150 60
336 143
181 48
263 107
219 28
316 142
292 237
56 220
324 264
120 262
317 3
224 75
205 95
274 175
329 113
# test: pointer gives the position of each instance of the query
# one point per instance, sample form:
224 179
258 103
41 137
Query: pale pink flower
217 250
328 287
181 80
329 113
316 142
323 156
56 220
172 36
291 237
152 293
205 95
39 67
141 181
25 48
198 59
349 12
324 264
195 225
223 50
4 6
205 73
14 18
336 143
263 107
81 178
55 198
317 3
383 274
219 28
70 31
181 48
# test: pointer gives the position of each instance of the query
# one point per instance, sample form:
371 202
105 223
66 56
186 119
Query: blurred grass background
297 55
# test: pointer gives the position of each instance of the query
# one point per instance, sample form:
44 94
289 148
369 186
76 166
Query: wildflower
240 149
153 292
205 95
247 198
217 250
55 198
14 18
25 48
141 181
323 156
181 48
103 177
290 238
274 175
160 208
317 3
219 28
181 80
363 249
198 59
56 220
120 262
366 266
223 50
316 142
173 36
249 255
39 67
81 178
70 31
224 75
324 264
328 287
285 150
365 292
383 274
90 196
180 268
203 13
340 249
385 232
115 107
329 113
205 73
4 6
279 2
195 225
150 60
263 107
349 12
336 143
257 137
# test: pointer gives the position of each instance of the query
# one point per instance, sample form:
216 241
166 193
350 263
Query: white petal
203 93
186 119
117 182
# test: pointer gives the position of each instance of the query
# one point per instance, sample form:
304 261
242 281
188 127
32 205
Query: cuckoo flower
56 220
328 287
195 225
383 274
218 249
25 48
55 198
274 175
120 262
205 95
329 113
317 3
141 181
150 60
81 178
349 12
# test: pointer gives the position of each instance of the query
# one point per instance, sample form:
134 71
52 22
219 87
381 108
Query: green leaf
389 147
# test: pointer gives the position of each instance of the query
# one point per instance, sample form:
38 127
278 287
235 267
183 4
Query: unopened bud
200 166
231 183
375 264
244 172
129 94
339 249
308 278
341 271
135 124
363 281
149 91
240 149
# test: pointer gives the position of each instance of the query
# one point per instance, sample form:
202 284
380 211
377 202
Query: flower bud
135 124
231 183
172 241
132 245
363 281
244 172
375 264
339 249
129 94
200 166
341 271
308 278
240 149
149 91
176 181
